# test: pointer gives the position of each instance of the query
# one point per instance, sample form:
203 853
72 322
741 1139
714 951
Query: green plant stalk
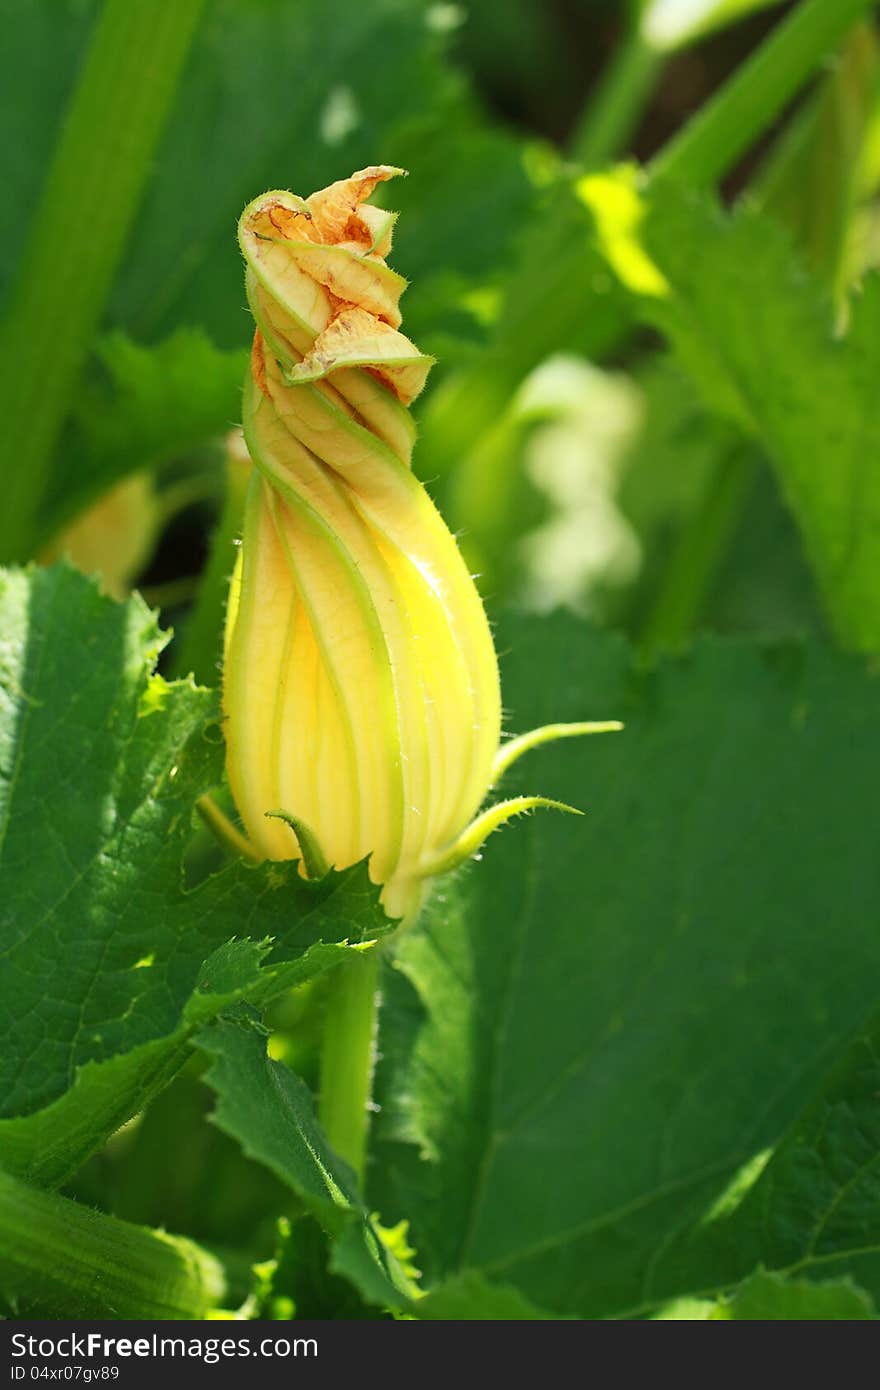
89 201
64 1260
721 132
348 1057
605 126
698 555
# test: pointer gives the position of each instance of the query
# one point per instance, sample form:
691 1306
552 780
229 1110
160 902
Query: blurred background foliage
570 451
583 460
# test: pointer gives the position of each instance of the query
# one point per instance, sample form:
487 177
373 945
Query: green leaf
142 407
686 1310
108 962
472 1298
771 1298
299 1283
592 1032
765 350
269 1110
811 1206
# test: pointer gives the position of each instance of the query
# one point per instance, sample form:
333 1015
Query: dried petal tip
356 339
337 214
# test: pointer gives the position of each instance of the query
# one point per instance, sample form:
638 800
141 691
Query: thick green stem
349 1055
605 126
712 142
65 1261
91 195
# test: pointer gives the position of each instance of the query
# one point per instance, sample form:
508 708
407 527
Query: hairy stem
712 142
66 1261
348 1057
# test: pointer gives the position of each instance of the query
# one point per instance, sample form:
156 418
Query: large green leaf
771 1298
811 1207
594 1030
471 1297
766 349
108 964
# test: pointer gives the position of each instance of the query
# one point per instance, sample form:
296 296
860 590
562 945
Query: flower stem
712 142
66 1261
93 187
349 1055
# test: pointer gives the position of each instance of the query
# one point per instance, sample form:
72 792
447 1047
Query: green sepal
508 753
314 858
477 833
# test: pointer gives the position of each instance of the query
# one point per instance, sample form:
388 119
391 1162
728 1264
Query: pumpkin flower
361 693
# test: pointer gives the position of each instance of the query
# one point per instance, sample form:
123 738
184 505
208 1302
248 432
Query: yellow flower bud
361 687
115 537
